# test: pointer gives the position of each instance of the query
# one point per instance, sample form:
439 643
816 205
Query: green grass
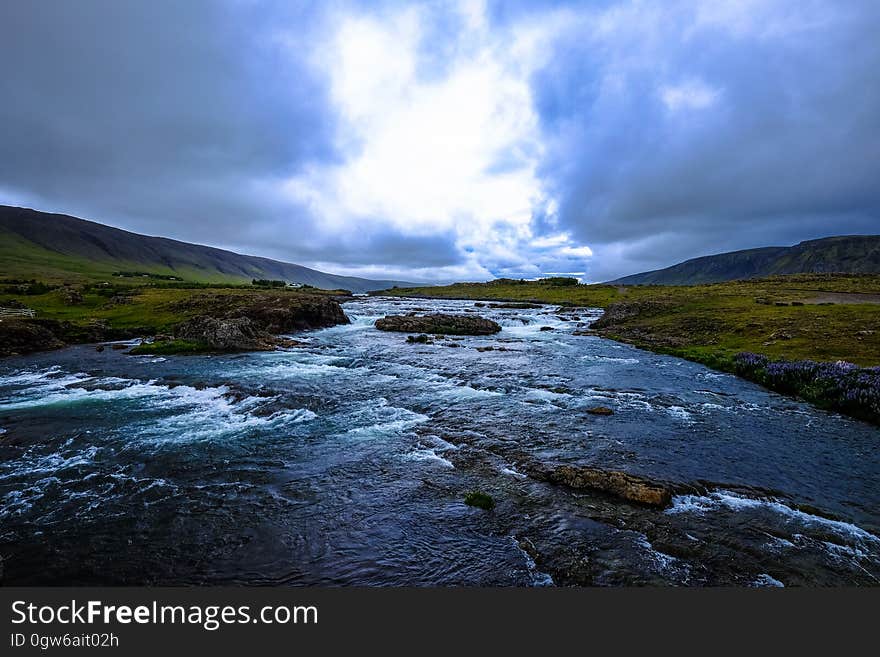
148 310
510 290
480 500
20 258
711 323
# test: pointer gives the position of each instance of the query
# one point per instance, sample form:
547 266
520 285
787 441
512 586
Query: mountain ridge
43 244
851 254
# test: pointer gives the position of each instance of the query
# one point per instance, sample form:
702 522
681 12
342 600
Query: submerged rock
600 410
419 339
439 323
629 487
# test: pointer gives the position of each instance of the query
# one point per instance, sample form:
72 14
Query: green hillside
61 248
849 254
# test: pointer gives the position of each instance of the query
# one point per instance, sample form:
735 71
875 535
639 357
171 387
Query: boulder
293 313
600 410
237 334
439 323
274 313
629 487
71 296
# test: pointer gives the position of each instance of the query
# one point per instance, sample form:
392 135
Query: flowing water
346 462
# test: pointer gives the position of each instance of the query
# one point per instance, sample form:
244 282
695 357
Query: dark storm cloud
164 117
363 246
782 145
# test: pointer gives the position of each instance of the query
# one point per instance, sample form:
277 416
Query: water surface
346 462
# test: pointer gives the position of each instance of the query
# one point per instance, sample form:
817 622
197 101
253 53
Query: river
346 461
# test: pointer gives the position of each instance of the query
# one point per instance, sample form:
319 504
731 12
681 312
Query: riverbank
799 319
186 319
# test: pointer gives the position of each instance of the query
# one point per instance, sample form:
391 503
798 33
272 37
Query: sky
443 141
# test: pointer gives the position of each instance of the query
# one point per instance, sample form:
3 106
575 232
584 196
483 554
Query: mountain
852 254
59 247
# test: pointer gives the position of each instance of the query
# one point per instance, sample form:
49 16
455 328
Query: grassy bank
799 317
101 311
791 326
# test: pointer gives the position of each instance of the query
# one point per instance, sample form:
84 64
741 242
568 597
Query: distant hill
851 254
59 247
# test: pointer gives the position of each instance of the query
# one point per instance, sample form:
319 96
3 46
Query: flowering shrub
840 386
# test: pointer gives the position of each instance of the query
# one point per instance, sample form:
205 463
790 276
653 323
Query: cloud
166 117
442 141
705 127
450 150
691 95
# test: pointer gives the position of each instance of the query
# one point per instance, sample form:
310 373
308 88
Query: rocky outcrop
274 313
631 488
24 336
251 323
439 324
238 334
215 321
284 314
71 296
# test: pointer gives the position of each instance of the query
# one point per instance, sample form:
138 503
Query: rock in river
621 484
600 410
439 324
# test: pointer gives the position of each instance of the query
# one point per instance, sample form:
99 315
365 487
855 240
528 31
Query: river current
346 461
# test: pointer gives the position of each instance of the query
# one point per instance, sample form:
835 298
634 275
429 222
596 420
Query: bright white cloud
690 95
576 252
426 153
